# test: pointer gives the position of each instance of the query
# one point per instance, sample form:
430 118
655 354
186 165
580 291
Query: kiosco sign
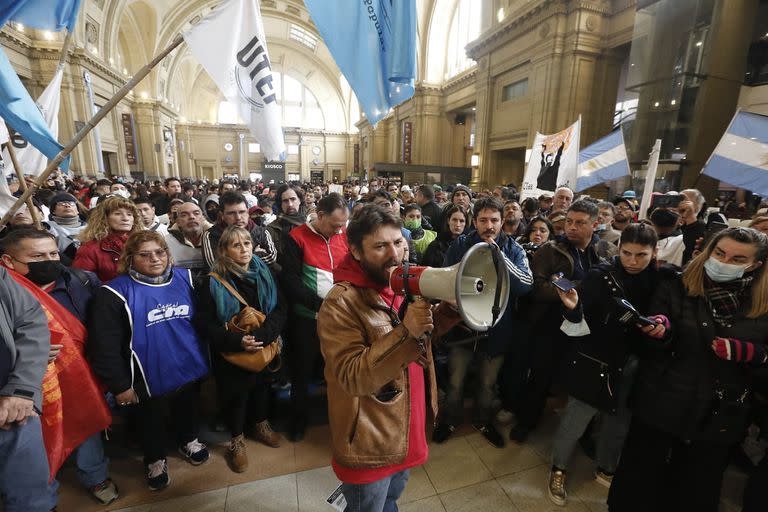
273 171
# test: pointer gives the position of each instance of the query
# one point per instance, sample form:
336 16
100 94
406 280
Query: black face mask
44 272
213 214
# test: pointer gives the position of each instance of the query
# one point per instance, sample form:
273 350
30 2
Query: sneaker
157 475
491 434
263 432
106 492
519 433
504 417
238 459
556 489
442 432
195 452
603 478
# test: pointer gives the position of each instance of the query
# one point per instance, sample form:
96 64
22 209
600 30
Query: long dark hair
445 229
526 238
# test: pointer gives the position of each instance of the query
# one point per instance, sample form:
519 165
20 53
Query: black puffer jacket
686 390
610 340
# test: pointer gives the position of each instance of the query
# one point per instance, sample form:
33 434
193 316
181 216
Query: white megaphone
478 285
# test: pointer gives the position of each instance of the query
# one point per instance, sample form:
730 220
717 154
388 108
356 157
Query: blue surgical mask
721 272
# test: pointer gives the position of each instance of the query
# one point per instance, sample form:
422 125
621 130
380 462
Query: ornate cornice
461 80
517 23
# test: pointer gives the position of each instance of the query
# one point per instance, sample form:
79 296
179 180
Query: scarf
294 220
69 222
161 279
258 274
724 299
351 271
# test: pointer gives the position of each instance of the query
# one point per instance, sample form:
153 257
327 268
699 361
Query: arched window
465 27
228 113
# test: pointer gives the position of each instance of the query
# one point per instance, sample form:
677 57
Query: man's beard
377 274
620 218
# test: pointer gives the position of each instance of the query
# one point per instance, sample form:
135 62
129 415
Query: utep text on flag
30 159
554 161
41 14
602 161
232 47
374 44
741 156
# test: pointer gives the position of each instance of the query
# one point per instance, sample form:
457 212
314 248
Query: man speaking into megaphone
375 366
487 219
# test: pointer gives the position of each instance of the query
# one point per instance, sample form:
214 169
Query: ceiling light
656 104
500 14
125 71
699 43
673 102
144 95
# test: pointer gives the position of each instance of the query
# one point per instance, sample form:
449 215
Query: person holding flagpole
67 296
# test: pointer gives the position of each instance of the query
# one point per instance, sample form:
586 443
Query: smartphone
563 284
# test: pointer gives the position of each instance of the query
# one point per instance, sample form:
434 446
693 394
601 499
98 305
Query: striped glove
731 349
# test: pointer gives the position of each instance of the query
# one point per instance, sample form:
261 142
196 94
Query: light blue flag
741 156
602 161
22 114
51 15
374 44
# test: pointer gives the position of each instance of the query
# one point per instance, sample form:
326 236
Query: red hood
350 270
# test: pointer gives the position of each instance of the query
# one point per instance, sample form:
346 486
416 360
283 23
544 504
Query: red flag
74 407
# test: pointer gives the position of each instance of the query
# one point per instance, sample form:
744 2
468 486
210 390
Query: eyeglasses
159 254
623 208
70 204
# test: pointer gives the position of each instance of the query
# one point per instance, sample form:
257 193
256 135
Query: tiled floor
465 474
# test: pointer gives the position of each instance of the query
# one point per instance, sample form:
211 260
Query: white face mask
122 193
721 272
602 227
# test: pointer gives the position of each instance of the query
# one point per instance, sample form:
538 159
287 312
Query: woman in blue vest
148 353
243 395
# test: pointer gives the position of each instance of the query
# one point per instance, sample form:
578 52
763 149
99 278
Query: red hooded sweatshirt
350 270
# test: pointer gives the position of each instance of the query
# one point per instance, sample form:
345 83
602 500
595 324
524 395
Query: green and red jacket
307 267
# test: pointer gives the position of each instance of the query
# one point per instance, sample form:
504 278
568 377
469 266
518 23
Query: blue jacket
74 289
520 283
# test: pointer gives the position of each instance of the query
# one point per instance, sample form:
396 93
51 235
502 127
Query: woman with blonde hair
147 351
110 224
693 390
243 395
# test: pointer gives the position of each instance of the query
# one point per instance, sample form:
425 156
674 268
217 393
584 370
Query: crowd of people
647 335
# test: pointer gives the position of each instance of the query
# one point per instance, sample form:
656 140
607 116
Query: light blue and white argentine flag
602 161
741 156
51 15
374 44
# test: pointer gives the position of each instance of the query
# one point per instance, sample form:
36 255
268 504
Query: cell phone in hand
563 284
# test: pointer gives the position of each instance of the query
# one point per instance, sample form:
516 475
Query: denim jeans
91 465
613 428
24 468
378 496
459 359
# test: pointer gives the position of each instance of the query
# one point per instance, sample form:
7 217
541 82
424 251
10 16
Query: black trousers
303 353
152 415
247 405
755 495
547 353
660 472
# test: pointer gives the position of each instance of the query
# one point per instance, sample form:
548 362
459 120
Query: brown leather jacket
366 356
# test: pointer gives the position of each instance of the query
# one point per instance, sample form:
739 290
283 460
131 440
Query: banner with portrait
554 162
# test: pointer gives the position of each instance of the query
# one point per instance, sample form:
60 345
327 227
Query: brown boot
263 432
238 459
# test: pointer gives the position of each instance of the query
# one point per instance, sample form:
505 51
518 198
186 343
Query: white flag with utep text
231 45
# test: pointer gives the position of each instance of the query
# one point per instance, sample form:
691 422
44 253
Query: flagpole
23 185
90 125
65 50
650 179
